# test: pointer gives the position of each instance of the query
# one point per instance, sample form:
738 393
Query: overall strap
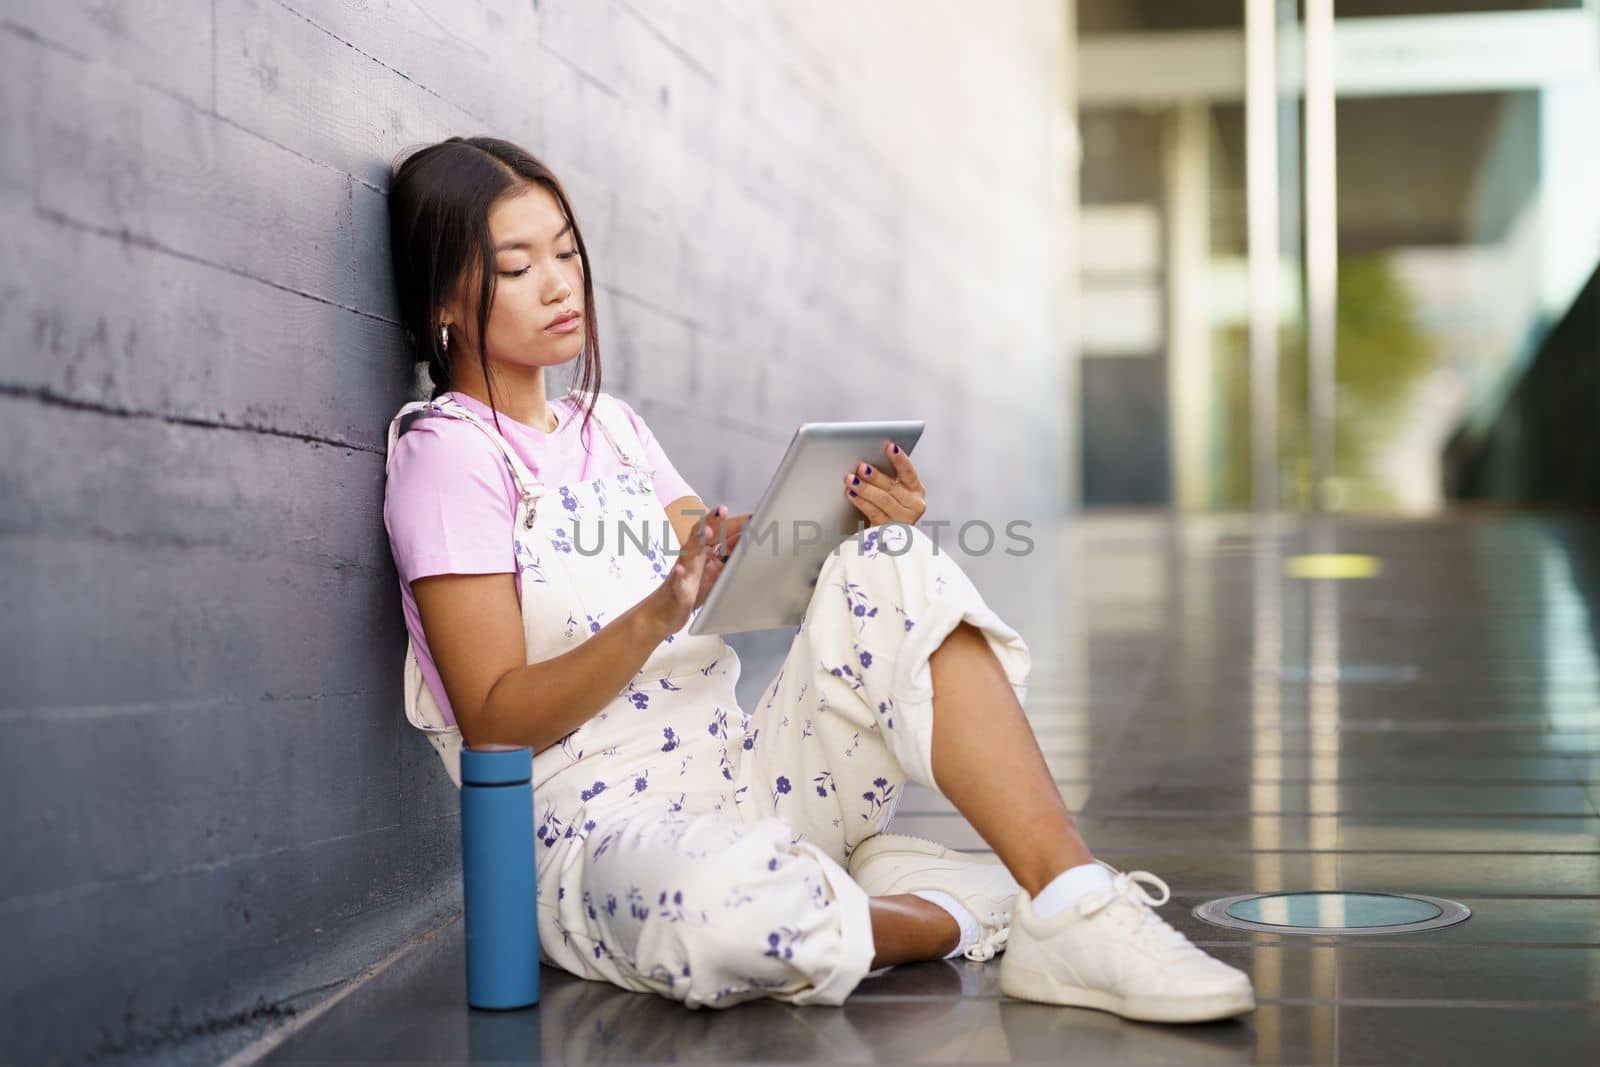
620 432
529 488
401 422
607 412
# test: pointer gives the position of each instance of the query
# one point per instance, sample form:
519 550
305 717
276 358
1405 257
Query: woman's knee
891 540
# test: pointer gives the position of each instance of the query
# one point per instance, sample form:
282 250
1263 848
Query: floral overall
686 846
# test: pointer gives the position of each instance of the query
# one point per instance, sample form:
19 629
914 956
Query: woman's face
540 279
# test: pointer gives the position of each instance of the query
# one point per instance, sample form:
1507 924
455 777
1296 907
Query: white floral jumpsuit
686 846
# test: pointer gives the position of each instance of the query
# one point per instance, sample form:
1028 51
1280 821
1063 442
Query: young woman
688 846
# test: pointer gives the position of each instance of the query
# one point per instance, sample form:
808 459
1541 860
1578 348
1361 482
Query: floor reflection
1209 716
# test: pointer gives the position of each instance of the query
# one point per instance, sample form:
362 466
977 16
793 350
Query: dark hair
439 201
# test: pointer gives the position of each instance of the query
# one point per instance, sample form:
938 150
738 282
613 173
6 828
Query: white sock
964 918
1068 886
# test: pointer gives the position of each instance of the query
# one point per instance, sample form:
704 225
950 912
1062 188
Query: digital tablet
803 517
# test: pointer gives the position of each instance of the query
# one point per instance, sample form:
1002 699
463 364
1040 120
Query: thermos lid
494 764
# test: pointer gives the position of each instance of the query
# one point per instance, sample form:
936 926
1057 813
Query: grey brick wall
215 811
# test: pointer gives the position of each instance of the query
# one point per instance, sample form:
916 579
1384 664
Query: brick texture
797 211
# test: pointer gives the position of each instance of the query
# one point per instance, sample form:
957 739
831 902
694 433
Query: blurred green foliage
1381 355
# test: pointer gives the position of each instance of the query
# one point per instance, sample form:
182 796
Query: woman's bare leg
987 762
906 928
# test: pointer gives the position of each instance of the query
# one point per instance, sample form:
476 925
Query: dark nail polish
869 472
852 492
895 449
854 480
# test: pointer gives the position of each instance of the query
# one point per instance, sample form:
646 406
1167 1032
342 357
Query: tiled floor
1435 728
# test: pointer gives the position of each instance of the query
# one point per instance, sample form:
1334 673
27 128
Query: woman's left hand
887 495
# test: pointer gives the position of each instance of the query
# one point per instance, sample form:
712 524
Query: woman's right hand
685 588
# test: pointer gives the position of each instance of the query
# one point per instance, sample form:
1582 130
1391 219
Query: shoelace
988 946
1129 886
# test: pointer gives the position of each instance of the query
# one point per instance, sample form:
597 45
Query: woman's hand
725 537
885 496
700 562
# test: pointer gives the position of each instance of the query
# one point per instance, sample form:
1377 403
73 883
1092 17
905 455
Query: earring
444 336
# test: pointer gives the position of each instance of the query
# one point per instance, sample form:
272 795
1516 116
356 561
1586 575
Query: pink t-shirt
449 502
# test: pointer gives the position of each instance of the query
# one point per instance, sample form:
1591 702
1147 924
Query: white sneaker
1109 950
886 864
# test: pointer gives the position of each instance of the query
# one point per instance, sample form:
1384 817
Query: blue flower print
886 709
641 783
606 842
672 911
860 607
718 727
656 553
824 784
593 791
706 670
780 788
594 621
636 904
667 684
560 539
572 627
749 743
611 904
877 797
866 659
639 700
845 671
549 831
569 501
872 541
672 739
781 942
528 563
570 748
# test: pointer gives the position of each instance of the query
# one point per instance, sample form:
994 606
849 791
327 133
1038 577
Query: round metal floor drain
1332 912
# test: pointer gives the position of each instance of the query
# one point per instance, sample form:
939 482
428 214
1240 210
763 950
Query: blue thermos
500 898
